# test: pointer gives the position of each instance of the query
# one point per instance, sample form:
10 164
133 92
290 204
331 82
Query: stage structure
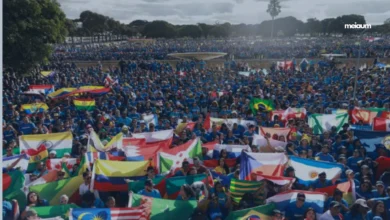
197 55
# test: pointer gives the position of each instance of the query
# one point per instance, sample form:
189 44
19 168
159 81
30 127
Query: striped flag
49 73
34 108
239 187
134 213
84 104
381 124
41 89
22 163
278 180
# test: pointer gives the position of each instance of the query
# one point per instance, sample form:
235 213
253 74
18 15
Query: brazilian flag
257 104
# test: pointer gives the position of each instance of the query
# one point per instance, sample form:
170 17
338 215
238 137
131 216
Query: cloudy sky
233 11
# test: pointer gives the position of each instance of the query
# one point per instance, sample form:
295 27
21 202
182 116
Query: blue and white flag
232 150
307 170
22 163
315 200
370 139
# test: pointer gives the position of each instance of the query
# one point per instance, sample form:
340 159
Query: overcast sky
233 11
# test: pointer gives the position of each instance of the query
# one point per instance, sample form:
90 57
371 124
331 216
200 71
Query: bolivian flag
36 156
84 104
257 104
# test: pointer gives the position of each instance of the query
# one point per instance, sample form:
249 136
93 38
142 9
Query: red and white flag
278 180
182 73
294 113
381 124
109 81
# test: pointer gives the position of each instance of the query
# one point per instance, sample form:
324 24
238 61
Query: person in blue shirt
358 210
149 190
380 190
26 127
352 161
33 200
338 197
321 182
296 210
90 201
250 133
378 210
324 155
365 190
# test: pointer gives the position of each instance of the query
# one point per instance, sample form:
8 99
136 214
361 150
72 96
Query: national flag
61 92
116 142
307 170
228 122
49 212
110 176
34 108
57 164
22 164
210 147
361 127
150 119
133 141
339 111
384 114
173 158
84 104
239 187
275 133
184 125
223 179
162 209
174 184
262 143
232 150
41 89
284 65
381 124
207 122
182 73
278 113
271 164
370 139
61 143
364 115
49 73
316 200
257 104
52 191
109 81
13 183
156 136
278 180
95 145
264 212
231 162
51 176
159 183
294 113
324 122
347 188
383 165
135 213
140 153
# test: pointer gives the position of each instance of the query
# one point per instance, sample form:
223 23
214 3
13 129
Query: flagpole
358 64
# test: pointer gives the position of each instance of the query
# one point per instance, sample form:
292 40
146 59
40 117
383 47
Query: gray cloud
362 8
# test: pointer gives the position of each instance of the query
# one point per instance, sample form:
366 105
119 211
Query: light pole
358 63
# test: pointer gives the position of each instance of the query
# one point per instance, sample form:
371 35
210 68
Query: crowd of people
144 86
239 48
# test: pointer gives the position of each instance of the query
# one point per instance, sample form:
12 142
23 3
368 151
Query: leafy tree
220 31
313 26
205 29
158 29
29 29
274 10
71 27
190 31
138 25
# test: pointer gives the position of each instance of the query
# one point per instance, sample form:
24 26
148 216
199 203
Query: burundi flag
162 209
34 108
239 187
61 143
110 175
257 104
173 158
52 191
141 213
324 122
84 104
13 183
49 212
264 212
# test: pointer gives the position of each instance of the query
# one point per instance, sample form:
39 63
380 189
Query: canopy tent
197 55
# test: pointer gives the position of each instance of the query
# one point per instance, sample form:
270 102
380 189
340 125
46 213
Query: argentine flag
306 170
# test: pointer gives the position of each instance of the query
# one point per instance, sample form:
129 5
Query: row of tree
96 24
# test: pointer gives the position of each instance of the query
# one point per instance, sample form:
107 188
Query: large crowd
239 48
146 86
